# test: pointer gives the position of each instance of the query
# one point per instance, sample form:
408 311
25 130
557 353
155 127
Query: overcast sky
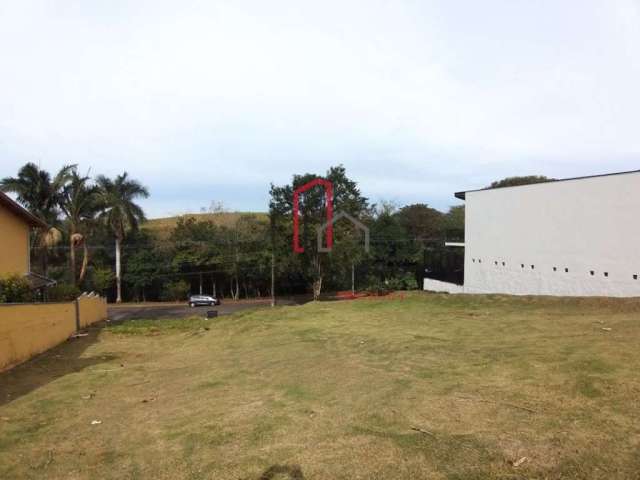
213 100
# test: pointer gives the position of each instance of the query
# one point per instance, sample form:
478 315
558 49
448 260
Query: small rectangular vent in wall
522 265
635 277
503 264
566 270
592 273
606 274
555 269
533 267
496 262
473 260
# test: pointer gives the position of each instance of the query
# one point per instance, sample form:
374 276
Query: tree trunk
317 288
85 261
72 258
118 278
317 283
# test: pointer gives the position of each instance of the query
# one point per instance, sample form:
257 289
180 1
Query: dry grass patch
162 227
432 386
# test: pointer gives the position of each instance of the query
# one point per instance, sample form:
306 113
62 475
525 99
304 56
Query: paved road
133 312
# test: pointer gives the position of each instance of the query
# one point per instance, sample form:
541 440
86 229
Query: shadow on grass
47 367
292 472
302 299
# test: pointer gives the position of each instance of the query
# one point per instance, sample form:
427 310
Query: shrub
15 289
63 292
175 291
406 281
375 286
103 279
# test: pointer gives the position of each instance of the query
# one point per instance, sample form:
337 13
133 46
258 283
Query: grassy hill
162 227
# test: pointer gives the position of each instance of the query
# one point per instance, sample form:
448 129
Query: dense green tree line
80 210
95 242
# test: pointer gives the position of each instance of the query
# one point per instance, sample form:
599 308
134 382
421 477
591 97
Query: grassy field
427 386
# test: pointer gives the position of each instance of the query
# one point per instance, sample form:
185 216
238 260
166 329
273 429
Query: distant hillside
162 227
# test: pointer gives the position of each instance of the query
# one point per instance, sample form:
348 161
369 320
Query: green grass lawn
429 386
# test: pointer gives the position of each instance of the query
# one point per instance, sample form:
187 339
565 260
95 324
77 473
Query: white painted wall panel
582 225
432 285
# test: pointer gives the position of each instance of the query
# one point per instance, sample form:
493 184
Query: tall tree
79 203
40 194
454 223
194 245
120 212
422 222
346 198
241 251
143 267
393 251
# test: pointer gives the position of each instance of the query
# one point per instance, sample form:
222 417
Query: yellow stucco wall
92 310
29 329
26 330
14 244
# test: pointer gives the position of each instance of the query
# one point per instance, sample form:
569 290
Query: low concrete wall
26 330
432 285
92 308
29 329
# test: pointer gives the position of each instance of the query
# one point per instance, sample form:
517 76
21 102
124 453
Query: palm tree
120 212
38 193
79 203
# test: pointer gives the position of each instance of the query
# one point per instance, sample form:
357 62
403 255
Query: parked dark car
203 300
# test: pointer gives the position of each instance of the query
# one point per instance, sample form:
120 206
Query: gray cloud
214 100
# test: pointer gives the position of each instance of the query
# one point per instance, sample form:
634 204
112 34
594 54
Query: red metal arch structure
328 193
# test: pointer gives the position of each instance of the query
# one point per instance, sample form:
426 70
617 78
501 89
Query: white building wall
431 285
580 225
